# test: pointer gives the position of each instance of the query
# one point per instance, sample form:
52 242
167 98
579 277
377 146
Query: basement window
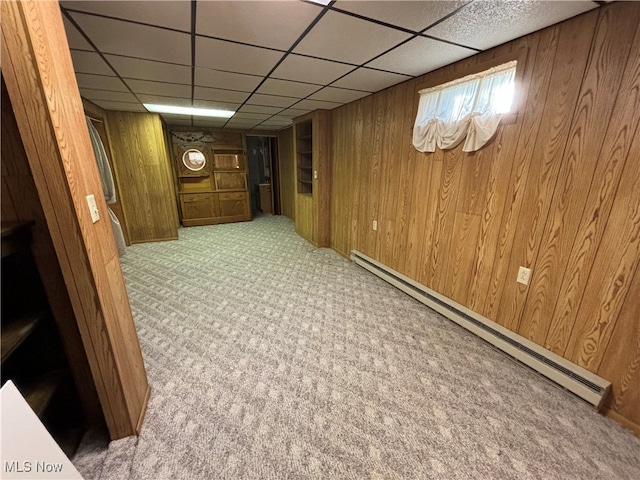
468 109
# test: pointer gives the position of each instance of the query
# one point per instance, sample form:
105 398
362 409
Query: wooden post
38 72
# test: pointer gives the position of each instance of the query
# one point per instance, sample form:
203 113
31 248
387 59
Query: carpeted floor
269 358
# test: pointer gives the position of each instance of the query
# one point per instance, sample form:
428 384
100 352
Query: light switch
93 208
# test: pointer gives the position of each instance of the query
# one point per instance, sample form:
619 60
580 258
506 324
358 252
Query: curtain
468 109
108 186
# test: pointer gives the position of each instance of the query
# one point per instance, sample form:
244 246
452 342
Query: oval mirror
194 159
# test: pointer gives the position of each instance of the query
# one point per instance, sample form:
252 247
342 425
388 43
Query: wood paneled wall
287 173
557 191
38 72
143 172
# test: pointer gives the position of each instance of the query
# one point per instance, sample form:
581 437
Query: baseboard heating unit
584 384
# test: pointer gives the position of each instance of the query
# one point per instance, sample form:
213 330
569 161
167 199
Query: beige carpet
269 358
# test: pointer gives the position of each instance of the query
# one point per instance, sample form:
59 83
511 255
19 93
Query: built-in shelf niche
304 156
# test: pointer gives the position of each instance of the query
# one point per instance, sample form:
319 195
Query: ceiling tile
273 125
276 24
182 121
311 70
266 127
119 106
370 80
412 15
278 119
234 57
293 112
124 38
150 70
420 55
176 119
217 94
100 82
108 95
209 121
167 116
252 116
90 62
340 95
335 31
315 104
259 109
219 105
206 77
173 14
159 88
242 123
486 24
287 88
74 37
271 100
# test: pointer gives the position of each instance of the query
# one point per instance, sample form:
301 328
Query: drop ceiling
271 61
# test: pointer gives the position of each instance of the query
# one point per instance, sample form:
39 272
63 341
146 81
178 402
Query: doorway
262 160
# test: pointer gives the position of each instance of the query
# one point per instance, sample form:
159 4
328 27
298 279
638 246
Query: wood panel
389 216
305 224
615 151
621 364
287 172
144 175
372 196
341 174
597 97
321 184
613 268
39 76
531 120
568 70
505 170
551 191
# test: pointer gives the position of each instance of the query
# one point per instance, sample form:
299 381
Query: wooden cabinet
233 204
198 205
32 353
211 177
312 133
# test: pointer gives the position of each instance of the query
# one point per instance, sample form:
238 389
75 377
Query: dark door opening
262 160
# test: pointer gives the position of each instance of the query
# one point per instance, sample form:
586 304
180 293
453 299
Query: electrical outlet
524 274
93 208
375 225
315 174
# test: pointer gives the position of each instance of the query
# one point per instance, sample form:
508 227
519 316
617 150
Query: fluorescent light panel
199 112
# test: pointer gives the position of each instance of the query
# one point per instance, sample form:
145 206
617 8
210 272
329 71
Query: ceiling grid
271 61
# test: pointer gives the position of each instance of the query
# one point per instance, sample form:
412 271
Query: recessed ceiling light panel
200 112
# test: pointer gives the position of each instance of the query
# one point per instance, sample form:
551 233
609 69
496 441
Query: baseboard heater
584 384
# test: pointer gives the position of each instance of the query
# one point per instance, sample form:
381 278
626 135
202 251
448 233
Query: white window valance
468 109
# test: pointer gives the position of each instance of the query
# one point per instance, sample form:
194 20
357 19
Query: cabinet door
198 205
233 204
231 180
